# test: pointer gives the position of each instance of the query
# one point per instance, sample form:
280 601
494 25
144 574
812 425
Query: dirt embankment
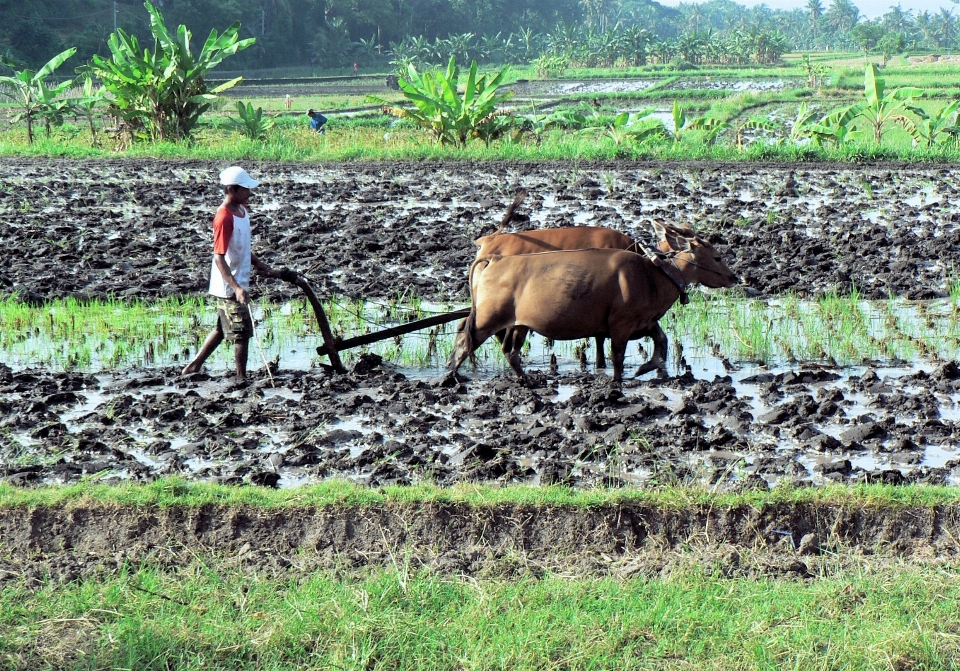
77 540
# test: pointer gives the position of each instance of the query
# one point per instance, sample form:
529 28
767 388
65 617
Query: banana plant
537 123
636 126
754 123
708 128
251 122
551 66
929 126
453 117
800 127
164 92
881 107
33 98
836 126
92 96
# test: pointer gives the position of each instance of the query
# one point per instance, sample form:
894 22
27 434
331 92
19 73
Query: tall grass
219 617
373 139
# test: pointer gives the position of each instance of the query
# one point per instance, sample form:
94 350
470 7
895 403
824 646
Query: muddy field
141 229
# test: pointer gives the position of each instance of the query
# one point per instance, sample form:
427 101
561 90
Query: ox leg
468 341
514 340
619 349
658 360
601 360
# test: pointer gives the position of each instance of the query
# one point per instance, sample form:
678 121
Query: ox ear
659 230
669 235
678 242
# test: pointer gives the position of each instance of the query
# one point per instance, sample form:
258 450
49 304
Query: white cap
237 175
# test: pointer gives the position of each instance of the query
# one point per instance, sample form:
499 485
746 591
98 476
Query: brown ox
568 295
551 240
556 239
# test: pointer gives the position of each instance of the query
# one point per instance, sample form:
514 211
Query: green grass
357 141
899 617
176 492
69 334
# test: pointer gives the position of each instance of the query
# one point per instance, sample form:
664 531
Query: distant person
233 259
288 102
356 67
317 121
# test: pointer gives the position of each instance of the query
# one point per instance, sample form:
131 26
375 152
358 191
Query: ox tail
464 345
512 210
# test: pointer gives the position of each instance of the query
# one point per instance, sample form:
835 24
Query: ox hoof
449 380
647 368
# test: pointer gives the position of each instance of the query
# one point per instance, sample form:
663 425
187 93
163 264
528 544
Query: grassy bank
170 492
694 607
375 142
210 617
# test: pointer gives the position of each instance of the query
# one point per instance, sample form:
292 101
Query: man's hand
242 296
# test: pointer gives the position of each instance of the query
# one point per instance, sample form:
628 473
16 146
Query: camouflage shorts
234 319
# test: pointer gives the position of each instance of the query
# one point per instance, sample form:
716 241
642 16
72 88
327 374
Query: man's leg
240 356
214 338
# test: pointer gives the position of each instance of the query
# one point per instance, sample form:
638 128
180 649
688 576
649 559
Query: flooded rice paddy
836 361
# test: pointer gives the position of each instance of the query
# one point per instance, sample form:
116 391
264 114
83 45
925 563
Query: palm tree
842 15
945 29
925 26
897 20
816 11
695 17
599 12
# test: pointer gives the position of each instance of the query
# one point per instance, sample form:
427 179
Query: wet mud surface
141 229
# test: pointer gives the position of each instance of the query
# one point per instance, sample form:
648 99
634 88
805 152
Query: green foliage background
337 33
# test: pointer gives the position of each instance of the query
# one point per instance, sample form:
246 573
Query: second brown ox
552 240
567 295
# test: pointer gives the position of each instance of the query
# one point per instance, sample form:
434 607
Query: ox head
695 258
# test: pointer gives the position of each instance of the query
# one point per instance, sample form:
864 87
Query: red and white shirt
231 237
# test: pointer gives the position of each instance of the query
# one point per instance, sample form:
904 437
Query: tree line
337 33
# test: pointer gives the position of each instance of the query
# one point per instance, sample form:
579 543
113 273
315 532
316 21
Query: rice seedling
845 329
113 334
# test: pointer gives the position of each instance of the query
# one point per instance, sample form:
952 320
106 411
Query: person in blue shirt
316 121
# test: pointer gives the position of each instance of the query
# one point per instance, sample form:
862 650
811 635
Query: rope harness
659 259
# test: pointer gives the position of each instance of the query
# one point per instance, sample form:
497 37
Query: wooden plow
332 346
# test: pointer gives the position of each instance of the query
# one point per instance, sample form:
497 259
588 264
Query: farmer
316 121
230 271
